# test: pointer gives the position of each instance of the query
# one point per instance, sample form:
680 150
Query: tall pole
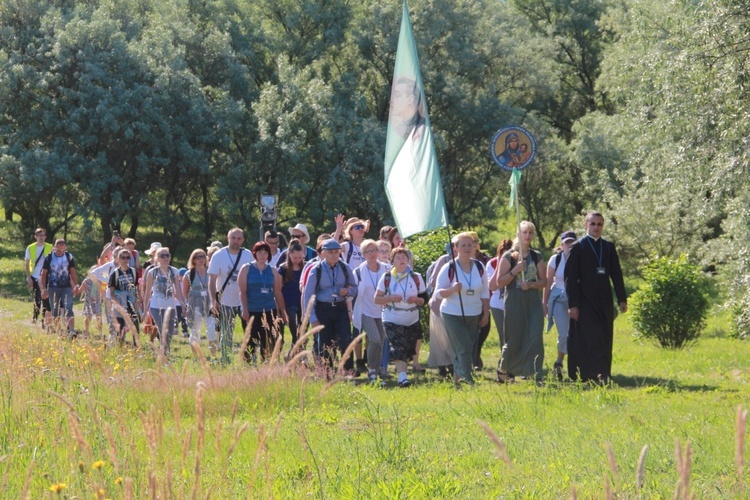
455 270
518 230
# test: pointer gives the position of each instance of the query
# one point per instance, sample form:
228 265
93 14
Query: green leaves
671 305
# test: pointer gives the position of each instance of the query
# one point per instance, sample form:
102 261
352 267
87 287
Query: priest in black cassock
592 263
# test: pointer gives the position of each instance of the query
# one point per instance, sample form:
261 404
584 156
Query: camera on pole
268 214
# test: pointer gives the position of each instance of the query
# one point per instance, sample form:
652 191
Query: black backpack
319 269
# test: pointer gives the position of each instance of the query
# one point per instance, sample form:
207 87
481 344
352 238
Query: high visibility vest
32 253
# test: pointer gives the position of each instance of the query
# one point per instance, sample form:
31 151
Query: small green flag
515 179
412 176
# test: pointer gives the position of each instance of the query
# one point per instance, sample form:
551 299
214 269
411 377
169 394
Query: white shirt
368 284
470 281
274 262
101 275
496 297
221 265
402 313
356 259
559 271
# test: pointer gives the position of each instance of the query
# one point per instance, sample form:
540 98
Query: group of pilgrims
349 289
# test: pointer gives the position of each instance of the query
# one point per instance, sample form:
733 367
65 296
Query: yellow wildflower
81 466
57 488
118 480
98 464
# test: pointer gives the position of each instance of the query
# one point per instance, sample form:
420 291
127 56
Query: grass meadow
80 420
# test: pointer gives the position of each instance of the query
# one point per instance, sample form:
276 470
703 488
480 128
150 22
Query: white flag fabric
412 176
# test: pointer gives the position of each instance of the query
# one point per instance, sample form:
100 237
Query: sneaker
373 381
404 383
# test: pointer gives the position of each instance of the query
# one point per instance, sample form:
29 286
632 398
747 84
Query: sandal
505 377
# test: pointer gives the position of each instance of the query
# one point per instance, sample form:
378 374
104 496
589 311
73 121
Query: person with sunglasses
592 264
195 289
354 231
123 282
162 288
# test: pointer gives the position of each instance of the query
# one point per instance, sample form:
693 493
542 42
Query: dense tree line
180 113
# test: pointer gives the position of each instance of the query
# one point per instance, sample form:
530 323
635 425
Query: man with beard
223 289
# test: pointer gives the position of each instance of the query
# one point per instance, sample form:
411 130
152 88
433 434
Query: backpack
130 272
493 262
67 256
349 252
387 280
452 269
319 269
558 258
414 276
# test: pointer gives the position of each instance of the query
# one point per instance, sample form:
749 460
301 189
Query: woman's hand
245 315
485 319
456 287
396 299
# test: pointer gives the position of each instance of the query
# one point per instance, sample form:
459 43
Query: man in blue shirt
332 283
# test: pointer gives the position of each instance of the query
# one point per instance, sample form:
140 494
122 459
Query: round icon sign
513 148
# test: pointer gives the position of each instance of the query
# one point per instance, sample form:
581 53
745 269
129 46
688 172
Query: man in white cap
223 290
300 232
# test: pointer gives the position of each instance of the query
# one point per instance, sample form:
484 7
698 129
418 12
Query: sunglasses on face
164 255
125 257
199 257
358 226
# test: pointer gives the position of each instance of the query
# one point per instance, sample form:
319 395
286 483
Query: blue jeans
61 299
336 332
164 320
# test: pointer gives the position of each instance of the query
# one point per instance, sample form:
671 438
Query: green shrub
671 304
427 247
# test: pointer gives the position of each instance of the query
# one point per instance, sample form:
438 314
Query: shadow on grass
659 383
